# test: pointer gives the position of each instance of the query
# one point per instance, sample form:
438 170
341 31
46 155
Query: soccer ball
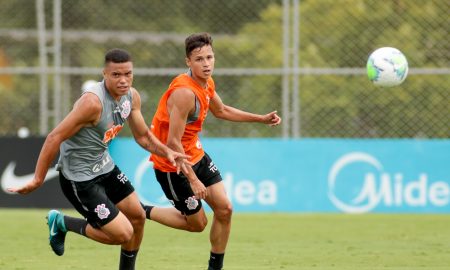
387 67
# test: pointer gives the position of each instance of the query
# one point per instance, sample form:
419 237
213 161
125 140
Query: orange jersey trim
190 139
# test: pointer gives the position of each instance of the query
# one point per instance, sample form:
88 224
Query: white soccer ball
23 132
387 67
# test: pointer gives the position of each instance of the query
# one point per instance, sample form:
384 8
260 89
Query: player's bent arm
180 104
140 130
142 134
222 111
86 111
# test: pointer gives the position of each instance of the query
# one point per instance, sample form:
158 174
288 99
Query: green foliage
24 104
354 107
249 34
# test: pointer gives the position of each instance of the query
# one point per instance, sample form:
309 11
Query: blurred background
304 58
344 145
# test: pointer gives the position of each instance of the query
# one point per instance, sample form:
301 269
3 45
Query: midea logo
383 188
240 191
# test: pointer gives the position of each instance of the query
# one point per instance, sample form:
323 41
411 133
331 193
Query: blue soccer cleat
57 231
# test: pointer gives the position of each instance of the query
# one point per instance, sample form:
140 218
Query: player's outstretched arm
86 111
222 111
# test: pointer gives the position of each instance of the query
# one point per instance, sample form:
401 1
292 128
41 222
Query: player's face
118 78
201 63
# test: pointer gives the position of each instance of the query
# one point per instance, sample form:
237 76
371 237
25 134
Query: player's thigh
121 192
131 207
177 189
91 200
119 228
117 186
207 171
197 222
217 197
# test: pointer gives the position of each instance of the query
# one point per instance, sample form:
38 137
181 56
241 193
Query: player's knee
138 220
224 213
124 235
198 226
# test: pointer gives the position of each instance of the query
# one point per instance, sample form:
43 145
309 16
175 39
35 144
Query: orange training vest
189 140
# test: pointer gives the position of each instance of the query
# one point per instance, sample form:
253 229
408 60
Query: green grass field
258 241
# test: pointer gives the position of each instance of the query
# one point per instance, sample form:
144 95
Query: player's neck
200 81
111 94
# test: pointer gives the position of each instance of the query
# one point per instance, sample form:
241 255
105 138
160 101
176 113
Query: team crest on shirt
102 211
198 144
191 203
126 109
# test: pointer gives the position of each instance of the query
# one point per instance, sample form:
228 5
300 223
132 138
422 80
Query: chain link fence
304 58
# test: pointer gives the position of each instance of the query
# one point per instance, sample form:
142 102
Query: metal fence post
295 66
57 62
43 83
286 70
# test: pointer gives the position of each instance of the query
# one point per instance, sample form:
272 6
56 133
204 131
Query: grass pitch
258 241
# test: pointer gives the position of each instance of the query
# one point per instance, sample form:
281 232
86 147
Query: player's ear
188 62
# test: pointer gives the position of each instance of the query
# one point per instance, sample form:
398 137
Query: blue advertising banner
315 175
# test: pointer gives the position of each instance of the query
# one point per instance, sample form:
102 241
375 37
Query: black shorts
96 199
177 189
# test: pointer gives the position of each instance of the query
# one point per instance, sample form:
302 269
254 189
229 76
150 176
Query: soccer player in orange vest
178 120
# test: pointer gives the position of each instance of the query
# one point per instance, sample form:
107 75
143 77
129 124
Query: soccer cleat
57 231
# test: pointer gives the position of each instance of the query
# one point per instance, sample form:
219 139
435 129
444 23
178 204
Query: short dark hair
197 40
117 56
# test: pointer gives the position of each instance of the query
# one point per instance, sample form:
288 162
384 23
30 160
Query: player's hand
272 119
31 186
198 188
178 159
182 164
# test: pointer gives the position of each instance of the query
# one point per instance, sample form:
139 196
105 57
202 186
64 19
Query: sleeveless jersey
85 155
190 139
